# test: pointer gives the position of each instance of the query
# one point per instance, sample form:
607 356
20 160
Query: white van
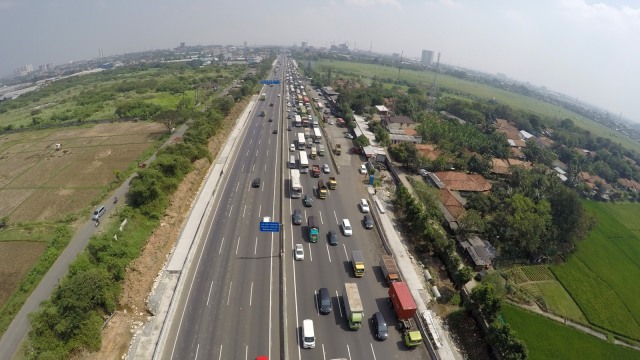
292 162
308 336
98 212
346 227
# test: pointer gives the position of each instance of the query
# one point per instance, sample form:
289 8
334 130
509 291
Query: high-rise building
427 57
304 45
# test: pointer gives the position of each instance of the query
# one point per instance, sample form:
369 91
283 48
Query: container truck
357 261
353 306
405 308
389 269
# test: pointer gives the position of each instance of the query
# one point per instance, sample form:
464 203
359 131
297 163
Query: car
275 131
270 120
368 221
266 219
324 301
423 172
380 326
288 127
298 252
349 136
308 200
363 169
288 116
325 168
271 104
278 95
347 230
296 217
332 238
256 183
364 205
292 147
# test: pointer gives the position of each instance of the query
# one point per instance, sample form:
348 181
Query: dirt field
38 183
141 273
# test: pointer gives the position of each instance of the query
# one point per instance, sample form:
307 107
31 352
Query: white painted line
220 355
247 153
348 351
237 245
246 351
336 216
245 210
310 255
242 168
229 294
324 354
197 349
345 250
339 307
315 302
221 243
328 253
321 222
208 297
255 247
251 293
373 352
237 185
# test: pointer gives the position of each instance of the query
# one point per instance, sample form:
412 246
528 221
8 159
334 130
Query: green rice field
547 339
602 276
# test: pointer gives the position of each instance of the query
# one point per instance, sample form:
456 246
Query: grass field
547 339
477 90
602 275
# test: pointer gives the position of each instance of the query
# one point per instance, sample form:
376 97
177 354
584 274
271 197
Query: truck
314 231
338 149
389 269
317 135
357 261
314 152
323 191
405 308
353 306
333 183
321 150
315 170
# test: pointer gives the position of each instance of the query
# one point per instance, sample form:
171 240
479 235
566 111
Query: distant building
427 57
304 45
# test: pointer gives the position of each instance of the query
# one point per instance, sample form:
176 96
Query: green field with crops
547 339
367 72
602 275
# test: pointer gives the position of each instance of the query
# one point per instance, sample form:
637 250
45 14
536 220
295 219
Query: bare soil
132 311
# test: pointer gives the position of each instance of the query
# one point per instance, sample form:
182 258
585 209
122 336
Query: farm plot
547 339
603 273
16 259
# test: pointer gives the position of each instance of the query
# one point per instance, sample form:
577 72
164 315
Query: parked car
364 205
363 169
368 221
292 147
423 172
380 326
299 252
332 238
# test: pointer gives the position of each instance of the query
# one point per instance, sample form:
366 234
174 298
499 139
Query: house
503 166
478 252
399 138
629 184
463 182
382 110
397 124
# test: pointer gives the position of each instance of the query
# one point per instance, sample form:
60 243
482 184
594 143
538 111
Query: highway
231 305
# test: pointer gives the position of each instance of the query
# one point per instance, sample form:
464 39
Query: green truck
353 306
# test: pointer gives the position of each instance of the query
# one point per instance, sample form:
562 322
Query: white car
363 169
299 252
292 147
364 205
325 168
278 95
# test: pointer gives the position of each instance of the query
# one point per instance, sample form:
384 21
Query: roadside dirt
132 311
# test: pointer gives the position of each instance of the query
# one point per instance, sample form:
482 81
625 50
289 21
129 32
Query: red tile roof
459 181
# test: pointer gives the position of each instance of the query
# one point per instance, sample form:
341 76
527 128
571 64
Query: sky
587 49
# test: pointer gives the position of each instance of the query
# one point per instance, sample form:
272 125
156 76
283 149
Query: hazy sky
586 49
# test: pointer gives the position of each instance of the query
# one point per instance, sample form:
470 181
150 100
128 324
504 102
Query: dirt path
141 273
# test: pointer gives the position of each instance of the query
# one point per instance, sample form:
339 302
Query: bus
314 231
304 162
317 135
301 141
296 185
297 121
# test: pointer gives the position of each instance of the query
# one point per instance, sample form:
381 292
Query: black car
297 217
270 120
324 301
308 200
380 326
255 183
275 131
289 128
332 238
368 221
271 104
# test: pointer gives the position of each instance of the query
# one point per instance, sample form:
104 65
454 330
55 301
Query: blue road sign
270 82
269 226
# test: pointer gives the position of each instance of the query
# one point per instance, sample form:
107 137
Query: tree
464 275
509 347
169 118
471 222
487 301
362 141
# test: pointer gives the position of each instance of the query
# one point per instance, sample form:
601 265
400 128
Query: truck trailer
389 269
353 306
405 308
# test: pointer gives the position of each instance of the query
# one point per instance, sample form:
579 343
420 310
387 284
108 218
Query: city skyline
585 49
